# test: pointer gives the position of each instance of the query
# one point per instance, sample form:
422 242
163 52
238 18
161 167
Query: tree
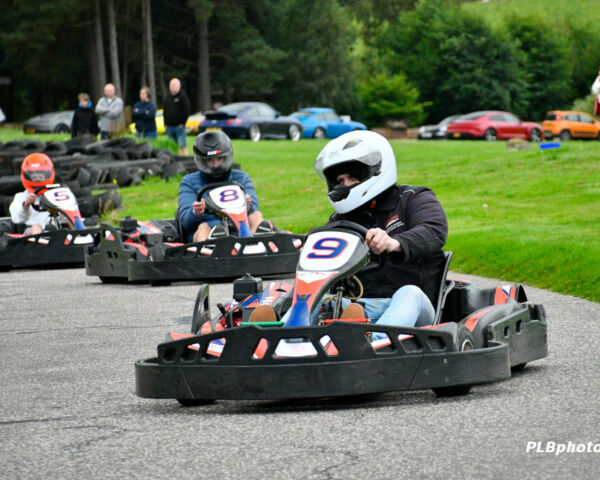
202 12
148 47
114 52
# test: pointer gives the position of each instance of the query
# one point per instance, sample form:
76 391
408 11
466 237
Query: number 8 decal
329 251
229 195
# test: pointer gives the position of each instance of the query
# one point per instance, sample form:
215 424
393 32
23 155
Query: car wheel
464 343
565 135
535 136
294 133
490 135
319 133
61 128
254 132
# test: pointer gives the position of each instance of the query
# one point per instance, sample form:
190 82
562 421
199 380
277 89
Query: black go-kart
479 335
62 242
155 251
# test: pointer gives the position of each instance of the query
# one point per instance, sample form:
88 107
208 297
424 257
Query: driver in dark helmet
405 222
213 154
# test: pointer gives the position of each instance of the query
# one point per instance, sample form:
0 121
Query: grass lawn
525 216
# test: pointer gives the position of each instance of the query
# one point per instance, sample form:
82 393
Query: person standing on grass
110 110
84 121
177 110
144 115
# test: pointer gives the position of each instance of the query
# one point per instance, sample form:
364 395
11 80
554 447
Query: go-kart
62 242
155 252
478 336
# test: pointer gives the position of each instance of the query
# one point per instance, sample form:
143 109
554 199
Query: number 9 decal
328 247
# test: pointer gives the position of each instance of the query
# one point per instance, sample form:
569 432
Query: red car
494 125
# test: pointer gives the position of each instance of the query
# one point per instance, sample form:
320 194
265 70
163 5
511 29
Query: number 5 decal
61 196
328 247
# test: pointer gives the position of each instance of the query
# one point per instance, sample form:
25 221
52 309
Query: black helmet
213 145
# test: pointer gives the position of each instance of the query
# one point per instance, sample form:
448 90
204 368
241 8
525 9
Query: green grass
525 216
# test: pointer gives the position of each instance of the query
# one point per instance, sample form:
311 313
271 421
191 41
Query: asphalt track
68 409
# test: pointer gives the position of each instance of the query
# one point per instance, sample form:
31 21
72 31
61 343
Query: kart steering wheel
210 186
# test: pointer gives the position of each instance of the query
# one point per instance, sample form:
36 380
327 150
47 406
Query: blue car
324 123
253 120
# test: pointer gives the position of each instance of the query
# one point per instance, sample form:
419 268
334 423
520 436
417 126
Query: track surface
68 410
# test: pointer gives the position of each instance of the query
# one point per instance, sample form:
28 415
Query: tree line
418 60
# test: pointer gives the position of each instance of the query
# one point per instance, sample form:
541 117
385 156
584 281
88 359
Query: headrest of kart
212 186
127 224
342 225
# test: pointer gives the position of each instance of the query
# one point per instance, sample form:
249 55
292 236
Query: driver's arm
187 196
19 212
246 182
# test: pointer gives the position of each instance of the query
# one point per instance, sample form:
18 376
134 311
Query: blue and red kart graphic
307 350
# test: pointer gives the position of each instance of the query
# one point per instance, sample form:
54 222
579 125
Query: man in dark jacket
143 114
84 119
176 111
406 223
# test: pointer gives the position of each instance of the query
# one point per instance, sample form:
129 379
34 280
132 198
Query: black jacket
143 114
84 122
176 109
414 217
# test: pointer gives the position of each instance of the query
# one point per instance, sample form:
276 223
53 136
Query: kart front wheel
464 342
254 132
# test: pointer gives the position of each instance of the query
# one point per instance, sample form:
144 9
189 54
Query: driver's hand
379 241
248 202
199 207
30 200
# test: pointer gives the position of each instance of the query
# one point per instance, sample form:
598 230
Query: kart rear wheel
319 133
192 402
109 280
254 132
465 342
518 368
490 135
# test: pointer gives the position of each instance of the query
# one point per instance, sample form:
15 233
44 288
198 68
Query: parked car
570 124
324 123
160 123
253 120
438 131
53 122
494 125
191 126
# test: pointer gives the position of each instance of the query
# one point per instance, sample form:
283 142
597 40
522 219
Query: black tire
112 280
490 135
319 133
464 342
518 368
160 283
61 128
192 402
294 133
535 136
254 132
565 135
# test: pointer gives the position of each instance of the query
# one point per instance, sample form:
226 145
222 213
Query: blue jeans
143 134
177 134
408 307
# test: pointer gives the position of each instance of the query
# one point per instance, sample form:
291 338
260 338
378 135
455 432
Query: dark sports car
251 120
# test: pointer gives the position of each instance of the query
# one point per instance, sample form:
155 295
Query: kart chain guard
188 373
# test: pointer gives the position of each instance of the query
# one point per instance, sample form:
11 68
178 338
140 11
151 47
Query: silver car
54 122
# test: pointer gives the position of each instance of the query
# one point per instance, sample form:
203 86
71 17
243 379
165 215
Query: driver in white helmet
406 222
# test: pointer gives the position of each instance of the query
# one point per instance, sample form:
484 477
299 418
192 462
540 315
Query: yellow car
160 123
191 126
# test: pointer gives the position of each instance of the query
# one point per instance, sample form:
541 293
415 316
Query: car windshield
234 108
550 116
449 119
474 115
301 114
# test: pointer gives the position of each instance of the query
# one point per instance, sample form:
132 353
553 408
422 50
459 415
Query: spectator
110 110
596 92
84 119
177 110
143 114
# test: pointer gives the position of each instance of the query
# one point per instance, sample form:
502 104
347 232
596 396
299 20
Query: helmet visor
216 165
37 175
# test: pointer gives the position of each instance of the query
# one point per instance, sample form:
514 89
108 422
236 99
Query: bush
385 97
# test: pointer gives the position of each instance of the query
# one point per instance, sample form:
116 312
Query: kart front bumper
428 360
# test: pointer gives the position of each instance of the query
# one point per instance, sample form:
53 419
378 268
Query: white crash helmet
368 157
